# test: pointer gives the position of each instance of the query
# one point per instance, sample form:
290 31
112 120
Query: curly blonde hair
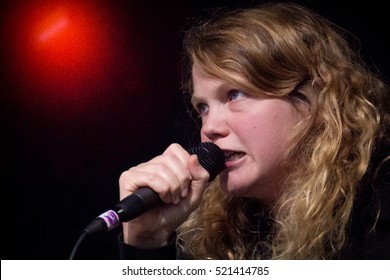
287 50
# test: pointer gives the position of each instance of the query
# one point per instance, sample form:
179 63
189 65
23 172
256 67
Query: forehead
200 78
205 84
217 76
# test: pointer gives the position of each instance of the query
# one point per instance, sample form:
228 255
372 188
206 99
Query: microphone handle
137 203
125 210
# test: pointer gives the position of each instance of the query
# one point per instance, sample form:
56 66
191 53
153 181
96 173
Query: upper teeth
227 154
231 156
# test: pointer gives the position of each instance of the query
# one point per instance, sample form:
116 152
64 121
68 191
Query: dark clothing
127 252
369 232
369 235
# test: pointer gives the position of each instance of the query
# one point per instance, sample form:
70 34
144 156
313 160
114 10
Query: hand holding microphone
177 176
168 174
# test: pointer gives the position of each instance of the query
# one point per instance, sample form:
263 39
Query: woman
304 125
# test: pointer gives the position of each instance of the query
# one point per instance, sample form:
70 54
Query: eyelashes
202 107
235 94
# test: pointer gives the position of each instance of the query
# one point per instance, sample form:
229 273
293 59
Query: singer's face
253 131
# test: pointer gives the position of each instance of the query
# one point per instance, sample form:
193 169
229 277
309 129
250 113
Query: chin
235 191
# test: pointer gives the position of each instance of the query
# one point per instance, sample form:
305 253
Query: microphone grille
211 158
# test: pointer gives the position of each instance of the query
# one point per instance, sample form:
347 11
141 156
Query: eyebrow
195 100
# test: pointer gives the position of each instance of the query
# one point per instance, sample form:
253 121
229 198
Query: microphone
210 157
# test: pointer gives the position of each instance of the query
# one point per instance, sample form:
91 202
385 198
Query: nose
214 125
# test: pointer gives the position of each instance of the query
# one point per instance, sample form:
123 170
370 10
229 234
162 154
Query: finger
183 156
136 178
165 174
199 175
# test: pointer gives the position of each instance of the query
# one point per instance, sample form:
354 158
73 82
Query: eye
235 94
201 108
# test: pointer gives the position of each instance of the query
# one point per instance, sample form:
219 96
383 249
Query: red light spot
61 55
60 22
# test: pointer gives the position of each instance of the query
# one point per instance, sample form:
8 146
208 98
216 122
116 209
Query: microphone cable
77 245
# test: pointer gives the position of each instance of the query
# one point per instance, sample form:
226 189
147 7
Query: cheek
269 136
259 128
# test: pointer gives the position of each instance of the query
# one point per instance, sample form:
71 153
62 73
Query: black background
60 165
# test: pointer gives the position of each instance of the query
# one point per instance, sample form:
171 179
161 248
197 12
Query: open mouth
232 156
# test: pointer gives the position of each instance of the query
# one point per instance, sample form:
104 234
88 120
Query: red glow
57 22
61 53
